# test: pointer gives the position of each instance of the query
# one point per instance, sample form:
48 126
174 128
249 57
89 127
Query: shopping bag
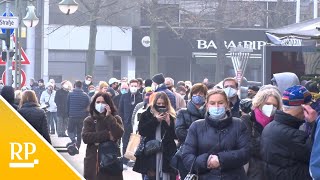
133 144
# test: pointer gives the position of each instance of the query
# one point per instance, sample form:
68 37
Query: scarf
261 118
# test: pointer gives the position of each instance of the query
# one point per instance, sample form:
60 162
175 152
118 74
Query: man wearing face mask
40 89
114 86
61 102
159 86
285 149
47 100
230 87
180 102
128 101
86 83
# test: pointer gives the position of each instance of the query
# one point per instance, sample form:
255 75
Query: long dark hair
107 99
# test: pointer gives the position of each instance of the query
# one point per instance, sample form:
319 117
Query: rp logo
26 149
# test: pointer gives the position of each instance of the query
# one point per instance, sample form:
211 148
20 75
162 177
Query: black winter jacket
127 104
61 102
285 149
78 103
147 128
255 171
36 117
227 138
185 117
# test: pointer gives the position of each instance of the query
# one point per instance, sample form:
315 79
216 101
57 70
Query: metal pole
16 83
9 61
298 11
315 9
18 47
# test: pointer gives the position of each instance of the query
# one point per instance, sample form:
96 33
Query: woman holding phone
157 123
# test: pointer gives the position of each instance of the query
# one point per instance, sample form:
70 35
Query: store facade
194 56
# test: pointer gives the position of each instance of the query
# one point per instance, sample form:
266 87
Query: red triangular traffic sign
24 57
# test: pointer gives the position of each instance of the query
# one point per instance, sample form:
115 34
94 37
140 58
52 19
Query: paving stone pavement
77 160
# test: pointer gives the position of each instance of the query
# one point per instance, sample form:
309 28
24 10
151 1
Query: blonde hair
70 87
102 84
262 96
164 96
28 96
217 91
17 94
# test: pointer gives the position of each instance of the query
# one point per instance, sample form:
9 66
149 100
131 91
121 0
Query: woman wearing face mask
218 146
186 116
264 106
157 123
102 125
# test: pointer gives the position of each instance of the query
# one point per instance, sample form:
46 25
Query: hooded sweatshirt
285 80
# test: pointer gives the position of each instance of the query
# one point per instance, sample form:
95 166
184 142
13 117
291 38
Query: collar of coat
219 123
287 119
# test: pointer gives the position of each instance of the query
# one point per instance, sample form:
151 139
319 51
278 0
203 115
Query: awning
303 30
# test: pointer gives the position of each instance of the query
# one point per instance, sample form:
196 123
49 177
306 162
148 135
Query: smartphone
162 110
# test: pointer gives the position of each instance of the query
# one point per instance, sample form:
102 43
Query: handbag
190 175
132 147
47 103
176 158
140 148
109 158
153 146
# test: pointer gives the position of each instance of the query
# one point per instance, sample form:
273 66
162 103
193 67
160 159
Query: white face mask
100 107
87 82
230 92
269 110
133 90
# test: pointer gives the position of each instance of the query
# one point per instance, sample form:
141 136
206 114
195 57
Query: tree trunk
153 49
91 55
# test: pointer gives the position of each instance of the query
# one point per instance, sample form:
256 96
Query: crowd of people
186 129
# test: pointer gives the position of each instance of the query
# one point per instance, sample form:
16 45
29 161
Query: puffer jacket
285 149
255 171
185 117
36 117
227 138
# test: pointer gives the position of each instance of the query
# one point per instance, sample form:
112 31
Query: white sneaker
125 167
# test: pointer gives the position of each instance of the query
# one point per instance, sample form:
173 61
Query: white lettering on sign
9 22
20 153
255 45
291 42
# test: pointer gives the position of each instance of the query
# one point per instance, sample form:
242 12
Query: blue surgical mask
198 100
217 112
124 91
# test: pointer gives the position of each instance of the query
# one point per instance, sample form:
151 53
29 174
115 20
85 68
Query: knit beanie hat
296 96
158 78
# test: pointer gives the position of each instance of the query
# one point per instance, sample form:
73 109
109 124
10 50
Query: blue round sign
4 30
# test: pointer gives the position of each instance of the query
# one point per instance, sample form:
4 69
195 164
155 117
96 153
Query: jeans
62 125
52 121
125 139
75 125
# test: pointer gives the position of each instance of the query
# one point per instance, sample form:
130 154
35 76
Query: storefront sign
255 45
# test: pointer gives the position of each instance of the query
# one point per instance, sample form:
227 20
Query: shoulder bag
109 158
190 175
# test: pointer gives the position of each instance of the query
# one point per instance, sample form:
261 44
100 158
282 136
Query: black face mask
160 109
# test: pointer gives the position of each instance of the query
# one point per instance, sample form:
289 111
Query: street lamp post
240 56
30 21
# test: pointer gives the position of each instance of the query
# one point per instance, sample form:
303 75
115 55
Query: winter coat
86 86
39 91
180 102
185 117
147 128
315 155
48 98
126 107
61 102
78 103
255 171
227 138
235 109
285 149
96 130
36 117
172 97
